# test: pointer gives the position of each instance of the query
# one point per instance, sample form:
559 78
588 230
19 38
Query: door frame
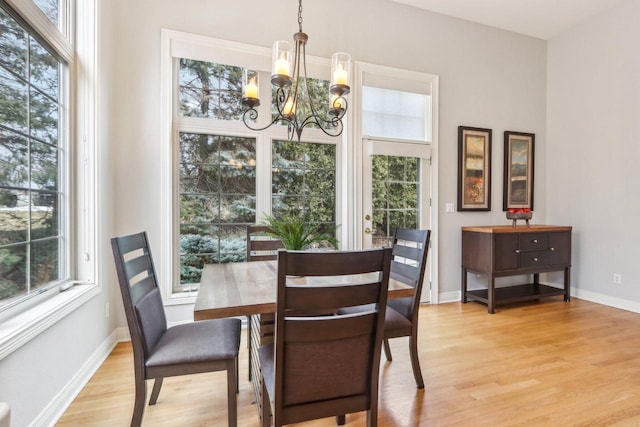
392 78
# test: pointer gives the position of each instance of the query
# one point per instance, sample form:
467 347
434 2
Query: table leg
463 288
491 294
567 284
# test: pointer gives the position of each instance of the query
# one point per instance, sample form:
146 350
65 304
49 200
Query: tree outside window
31 236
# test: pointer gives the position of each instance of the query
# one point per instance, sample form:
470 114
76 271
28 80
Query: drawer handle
535 259
552 249
534 241
517 251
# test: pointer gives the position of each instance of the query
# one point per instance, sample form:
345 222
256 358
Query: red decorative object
516 214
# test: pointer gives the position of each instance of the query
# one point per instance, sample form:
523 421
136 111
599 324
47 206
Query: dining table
249 289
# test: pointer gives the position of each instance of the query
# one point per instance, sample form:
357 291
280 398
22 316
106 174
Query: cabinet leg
567 284
491 294
464 286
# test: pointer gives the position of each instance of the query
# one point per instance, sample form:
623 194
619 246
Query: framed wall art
474 169
518 170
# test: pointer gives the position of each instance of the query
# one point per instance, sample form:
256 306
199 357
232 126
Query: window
217 201
396 185
33 207
303 180
51 8
391 113
47 196
224 176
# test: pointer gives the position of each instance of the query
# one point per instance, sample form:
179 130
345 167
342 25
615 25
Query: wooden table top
245 288
499 229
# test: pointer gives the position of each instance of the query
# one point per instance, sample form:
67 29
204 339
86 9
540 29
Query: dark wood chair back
410 250
327 364
140 296
260 246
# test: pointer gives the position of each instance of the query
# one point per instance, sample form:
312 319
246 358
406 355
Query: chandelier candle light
289 77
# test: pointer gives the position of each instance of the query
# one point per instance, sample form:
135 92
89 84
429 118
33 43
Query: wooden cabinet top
501 229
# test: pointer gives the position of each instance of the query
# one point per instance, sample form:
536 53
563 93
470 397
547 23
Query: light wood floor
537 364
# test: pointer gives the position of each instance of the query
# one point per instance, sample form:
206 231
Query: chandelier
289 77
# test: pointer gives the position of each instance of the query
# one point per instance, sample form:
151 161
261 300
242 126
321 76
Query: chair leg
341 420
265 411
232 403
155 392
415 362
237 374
249 343
139 401
387 349
372 416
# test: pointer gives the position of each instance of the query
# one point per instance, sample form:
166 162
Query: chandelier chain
300 15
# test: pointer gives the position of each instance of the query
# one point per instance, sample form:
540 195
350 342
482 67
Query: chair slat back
333 263
410 251
260 246
140 294
327 364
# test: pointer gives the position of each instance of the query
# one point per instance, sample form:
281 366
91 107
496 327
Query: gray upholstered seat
158 351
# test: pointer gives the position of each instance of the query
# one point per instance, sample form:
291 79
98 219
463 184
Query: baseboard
446 297
59 404
598 298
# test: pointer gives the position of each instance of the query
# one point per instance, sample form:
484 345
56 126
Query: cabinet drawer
532 259
533 241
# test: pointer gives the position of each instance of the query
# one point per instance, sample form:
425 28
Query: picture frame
519 162
474 169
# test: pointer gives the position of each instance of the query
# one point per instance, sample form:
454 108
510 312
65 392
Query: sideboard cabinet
499 251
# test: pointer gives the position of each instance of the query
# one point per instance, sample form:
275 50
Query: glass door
396 192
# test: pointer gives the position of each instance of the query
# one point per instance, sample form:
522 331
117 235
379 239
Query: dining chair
159 351
260 247
410 250
323 364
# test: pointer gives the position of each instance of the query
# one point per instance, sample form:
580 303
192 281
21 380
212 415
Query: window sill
19 330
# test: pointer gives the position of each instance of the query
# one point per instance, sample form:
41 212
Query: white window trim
46 310
176 44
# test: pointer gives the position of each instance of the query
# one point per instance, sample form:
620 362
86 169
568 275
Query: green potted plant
297 233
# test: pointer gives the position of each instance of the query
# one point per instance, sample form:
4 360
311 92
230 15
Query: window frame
78 170
175 45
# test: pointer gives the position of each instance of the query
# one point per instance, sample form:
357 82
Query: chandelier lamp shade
289 78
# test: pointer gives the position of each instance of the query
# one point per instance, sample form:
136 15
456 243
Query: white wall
488 78
593 151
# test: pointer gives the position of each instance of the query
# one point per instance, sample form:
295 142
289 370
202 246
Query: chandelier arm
333 120
337 124
315 117
296 71
280 101
252 115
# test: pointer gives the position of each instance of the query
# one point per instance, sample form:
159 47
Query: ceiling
543 19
